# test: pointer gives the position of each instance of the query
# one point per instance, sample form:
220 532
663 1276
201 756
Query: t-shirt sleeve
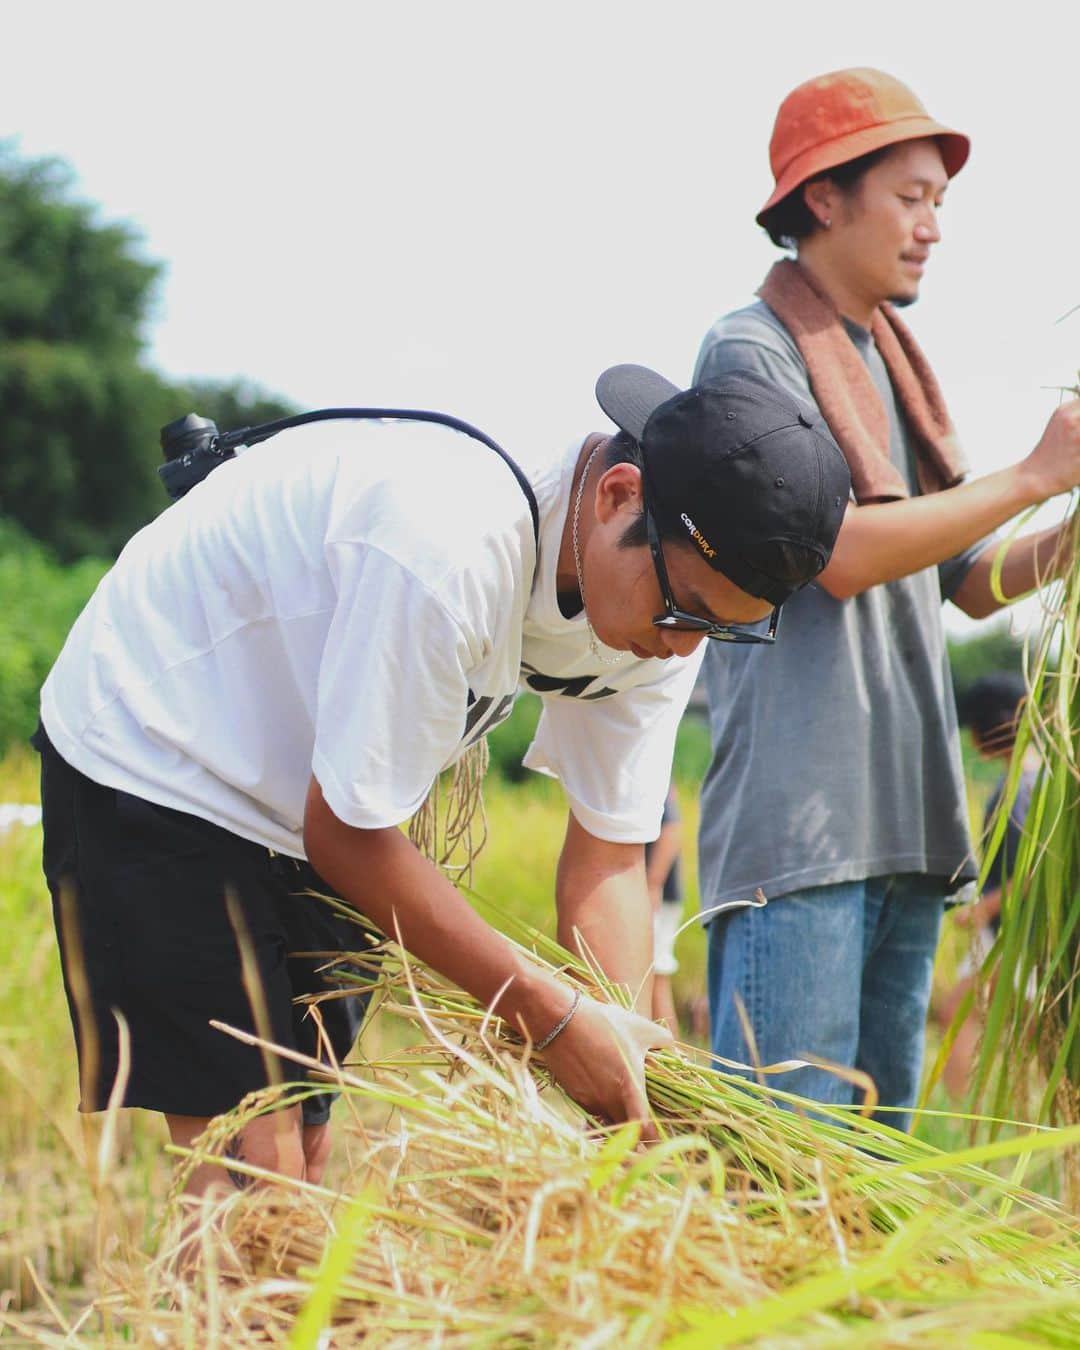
392 690
953 570
720 356
613 755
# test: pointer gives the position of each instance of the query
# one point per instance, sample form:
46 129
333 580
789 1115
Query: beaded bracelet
561 1024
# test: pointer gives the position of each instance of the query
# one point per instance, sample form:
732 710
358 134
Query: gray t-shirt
835 752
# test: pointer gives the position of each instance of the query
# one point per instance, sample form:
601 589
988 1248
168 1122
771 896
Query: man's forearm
604 909
598 1052
387 879
884 541
1032 561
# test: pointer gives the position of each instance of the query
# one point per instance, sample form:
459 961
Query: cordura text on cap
698 537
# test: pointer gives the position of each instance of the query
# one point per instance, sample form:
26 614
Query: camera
192 448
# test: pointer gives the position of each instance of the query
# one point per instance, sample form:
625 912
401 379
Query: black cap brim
631 394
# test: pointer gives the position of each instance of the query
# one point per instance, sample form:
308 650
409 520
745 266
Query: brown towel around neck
849 399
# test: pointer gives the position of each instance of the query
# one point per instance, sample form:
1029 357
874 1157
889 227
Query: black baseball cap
747 472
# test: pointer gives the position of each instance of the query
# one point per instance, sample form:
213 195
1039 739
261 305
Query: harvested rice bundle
480 1211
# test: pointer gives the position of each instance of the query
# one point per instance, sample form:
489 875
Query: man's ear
618 489
819 196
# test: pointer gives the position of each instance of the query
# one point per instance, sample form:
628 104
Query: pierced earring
827 223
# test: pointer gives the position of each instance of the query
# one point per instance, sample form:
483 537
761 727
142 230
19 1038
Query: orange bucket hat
841 116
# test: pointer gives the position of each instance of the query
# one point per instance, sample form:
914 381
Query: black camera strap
196 451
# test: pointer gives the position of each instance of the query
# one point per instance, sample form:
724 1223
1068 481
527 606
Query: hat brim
631 394
955 148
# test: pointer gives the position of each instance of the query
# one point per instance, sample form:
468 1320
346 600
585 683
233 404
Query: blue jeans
841 972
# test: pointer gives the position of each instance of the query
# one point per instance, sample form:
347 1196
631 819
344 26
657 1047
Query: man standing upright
836 784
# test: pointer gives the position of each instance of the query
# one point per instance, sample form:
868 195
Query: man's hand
982 912
1054 465
599 1060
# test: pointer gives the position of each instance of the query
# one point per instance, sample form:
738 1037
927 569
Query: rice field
470 1204
1030 976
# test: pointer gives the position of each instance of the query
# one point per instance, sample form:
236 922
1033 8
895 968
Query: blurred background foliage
39 600
80 414
80 408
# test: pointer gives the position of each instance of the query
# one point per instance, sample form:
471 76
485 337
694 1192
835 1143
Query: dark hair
623 449
990 707
791 219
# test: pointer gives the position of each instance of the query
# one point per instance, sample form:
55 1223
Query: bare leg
956 1074
316 1143
271 1142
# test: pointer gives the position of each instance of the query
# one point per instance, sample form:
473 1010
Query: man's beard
903 301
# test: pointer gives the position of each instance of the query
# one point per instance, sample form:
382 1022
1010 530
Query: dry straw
450 828
481 1208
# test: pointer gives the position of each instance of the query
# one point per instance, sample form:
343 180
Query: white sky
478 206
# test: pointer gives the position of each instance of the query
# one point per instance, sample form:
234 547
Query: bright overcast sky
478 206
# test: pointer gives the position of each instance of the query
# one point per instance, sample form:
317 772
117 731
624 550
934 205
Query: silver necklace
594 644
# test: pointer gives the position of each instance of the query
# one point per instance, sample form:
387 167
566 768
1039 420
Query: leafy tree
232 405
64 278
80 411
39 601
77 469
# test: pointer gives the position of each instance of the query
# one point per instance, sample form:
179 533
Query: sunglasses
678 619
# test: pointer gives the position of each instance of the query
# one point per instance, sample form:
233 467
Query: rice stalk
1029 1059
485 1209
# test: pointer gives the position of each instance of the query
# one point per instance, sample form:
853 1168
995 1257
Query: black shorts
147 887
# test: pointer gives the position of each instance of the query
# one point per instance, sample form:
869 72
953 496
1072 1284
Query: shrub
39 600
510 739
986 653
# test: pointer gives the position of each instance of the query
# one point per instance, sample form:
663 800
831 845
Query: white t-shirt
356 600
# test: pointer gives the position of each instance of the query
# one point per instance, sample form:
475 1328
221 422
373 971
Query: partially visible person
991 708
663 876
836 784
